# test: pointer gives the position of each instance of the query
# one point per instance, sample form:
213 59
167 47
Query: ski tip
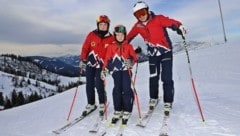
163 135
92 131
140 125
56 132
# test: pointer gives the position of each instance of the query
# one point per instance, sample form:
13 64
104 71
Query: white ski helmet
139 5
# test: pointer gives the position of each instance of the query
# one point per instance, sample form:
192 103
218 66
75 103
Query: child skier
119 59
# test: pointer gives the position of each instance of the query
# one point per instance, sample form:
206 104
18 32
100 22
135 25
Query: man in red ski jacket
153 29
92 56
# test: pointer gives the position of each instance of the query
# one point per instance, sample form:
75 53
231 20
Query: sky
216 83
59 27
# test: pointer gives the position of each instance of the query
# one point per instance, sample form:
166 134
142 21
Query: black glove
181 31
138 49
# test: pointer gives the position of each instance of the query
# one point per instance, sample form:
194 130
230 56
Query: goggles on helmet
120 29
141 12
103 18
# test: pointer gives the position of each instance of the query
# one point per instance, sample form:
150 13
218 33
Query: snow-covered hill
216 74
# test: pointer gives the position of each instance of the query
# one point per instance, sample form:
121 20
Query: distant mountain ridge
56 65
68 65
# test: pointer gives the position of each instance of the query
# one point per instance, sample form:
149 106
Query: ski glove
83 65
138 50
128 63
104 74
182 31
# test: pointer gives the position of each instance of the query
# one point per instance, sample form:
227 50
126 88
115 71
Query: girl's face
103 26
120 37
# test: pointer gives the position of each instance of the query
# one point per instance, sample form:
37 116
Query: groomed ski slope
216 71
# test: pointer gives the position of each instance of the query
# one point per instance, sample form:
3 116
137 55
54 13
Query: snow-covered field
216 72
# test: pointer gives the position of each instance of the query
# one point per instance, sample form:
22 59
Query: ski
96 125
103 132
98 122
164 128
121 130
72 123
145 119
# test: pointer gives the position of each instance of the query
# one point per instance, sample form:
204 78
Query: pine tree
28 81
14 98
21 99
1 99
8 103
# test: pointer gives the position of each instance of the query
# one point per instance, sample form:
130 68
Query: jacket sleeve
132 33
86 47
169 22
107 57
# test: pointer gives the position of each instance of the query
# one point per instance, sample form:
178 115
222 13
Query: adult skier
153 29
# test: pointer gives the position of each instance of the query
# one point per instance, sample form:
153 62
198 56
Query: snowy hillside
217 77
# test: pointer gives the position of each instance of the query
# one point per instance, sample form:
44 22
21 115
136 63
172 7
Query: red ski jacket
154 31
94 48
117 54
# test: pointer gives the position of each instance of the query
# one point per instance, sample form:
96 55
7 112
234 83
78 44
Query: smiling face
143 18
103 26
141 15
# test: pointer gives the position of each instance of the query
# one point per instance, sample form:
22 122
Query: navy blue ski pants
122 91
161 65
93 80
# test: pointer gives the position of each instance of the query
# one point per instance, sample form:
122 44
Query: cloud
61 22
39 49
37 24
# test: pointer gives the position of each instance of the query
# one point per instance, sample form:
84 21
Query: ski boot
88 109
125 118
153 103
101 109
116 116
167 108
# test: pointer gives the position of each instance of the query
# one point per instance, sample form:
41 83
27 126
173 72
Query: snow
216 75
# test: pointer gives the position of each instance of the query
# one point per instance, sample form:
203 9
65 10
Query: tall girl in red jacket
119 59
92 56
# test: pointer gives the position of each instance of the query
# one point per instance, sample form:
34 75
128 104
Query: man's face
103 26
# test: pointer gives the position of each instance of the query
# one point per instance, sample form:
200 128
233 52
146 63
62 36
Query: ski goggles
103 18
120 29
141 12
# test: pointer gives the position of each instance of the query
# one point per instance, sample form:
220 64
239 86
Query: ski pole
192 80
135 73
73 101
135 95
105 101
74 97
